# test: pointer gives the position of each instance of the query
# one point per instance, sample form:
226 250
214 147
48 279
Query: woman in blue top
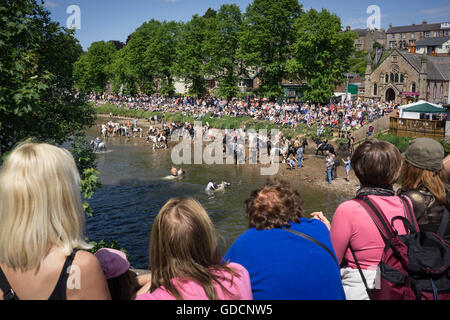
285 265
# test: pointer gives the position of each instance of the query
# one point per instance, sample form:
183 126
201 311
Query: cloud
50 4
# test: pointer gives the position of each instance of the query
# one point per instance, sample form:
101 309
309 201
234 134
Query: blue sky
116 19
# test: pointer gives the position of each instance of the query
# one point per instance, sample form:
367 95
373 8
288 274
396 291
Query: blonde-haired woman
41 229
185 261
424 181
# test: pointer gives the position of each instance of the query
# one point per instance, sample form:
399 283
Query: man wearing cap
424 182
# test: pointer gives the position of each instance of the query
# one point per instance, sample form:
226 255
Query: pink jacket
240 287
352 225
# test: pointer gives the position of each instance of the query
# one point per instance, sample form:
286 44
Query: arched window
435 91
375 89
441 92
413 87
402 78
396 78
387 78
392 77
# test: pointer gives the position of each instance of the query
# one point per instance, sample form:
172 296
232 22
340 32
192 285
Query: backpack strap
380 220
410 214
369 293
305 236
444 223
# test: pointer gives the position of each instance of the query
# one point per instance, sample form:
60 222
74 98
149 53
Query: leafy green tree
224 45
194 53
268 31
91 70
321 54
37 95
160 55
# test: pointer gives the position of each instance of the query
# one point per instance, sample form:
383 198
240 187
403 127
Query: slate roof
415 28
437 41
438 68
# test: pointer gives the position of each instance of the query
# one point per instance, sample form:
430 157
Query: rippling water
134 190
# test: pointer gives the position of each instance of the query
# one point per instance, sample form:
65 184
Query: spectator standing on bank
329 167
300 152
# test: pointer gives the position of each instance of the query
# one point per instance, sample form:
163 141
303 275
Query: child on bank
347 163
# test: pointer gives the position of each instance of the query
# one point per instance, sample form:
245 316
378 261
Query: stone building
403 77
405 37
367 38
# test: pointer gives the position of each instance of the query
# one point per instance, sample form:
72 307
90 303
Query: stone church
404 77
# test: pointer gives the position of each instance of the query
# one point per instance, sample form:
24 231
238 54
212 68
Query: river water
135 188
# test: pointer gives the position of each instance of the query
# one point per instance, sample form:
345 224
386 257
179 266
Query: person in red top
377 164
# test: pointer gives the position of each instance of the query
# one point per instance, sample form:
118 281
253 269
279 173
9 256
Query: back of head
424 168
276 205
183 244
40 205
377 163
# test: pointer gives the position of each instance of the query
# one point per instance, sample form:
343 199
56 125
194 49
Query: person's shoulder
86 260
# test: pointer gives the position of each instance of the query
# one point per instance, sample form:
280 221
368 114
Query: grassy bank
225 122
402 142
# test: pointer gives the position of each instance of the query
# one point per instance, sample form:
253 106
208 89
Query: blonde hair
183 245
40 205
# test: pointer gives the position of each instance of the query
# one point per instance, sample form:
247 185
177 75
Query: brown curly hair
276 205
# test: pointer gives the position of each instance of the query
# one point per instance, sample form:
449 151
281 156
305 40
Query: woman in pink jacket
377 164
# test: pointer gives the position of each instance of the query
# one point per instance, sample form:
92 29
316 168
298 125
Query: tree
321 54
268 31
37 95
224 46
194 53
91 70
210 13
160 55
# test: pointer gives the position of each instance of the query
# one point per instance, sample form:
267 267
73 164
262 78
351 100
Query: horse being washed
98 146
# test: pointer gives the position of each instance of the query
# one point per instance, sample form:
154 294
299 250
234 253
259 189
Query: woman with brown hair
185 261
358 243
424 181
287 256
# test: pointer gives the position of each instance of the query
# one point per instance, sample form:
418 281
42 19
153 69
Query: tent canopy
424 107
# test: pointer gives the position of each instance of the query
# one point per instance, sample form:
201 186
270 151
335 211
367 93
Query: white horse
100 147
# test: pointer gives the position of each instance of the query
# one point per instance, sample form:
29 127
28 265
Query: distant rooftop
436 41
415 28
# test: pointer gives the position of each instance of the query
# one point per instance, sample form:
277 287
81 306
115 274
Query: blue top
348 165
285 266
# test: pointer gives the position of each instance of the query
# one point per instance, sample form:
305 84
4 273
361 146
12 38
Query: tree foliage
268 31
321 53
37 95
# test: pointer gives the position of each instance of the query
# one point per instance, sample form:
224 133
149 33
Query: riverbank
313 172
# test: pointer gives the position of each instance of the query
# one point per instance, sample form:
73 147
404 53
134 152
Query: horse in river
100 147
159 141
